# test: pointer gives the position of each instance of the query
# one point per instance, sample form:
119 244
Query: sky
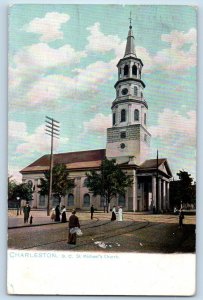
62 64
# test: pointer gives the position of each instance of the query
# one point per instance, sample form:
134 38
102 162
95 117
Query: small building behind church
128 141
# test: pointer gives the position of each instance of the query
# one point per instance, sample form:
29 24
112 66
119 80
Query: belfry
128 141
128 135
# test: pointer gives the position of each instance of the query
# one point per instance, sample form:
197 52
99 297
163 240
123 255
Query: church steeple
128 136
130 45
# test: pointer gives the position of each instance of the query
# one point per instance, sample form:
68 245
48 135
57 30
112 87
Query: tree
183 190
109 182
61 182
23 191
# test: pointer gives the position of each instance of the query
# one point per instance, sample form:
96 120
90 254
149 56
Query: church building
128 141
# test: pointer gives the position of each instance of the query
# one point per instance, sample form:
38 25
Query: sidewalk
39 218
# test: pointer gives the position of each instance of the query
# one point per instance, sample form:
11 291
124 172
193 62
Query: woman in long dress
57 214
113 216
63 215
73 222
120 214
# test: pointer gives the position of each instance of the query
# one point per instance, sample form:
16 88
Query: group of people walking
117 214
59 214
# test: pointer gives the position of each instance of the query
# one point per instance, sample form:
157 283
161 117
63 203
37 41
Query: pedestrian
92 211
26 211
57 214
120 214
73 222
113 216
53 214
63 214
181 217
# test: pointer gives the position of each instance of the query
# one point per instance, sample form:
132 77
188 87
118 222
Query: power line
52 128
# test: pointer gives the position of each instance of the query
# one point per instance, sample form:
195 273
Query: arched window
120 72
55 201
134 70
114 118
126 69
41 200
141 94
70 200
86 200
121 200
85 182
135 90
145 118
136 115
123 115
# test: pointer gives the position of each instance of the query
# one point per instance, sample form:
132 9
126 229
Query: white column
134 191
130 70
160 195
167 196
164 195
154 190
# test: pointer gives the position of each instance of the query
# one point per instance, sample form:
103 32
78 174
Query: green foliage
183 190
21 190
109 182
61 182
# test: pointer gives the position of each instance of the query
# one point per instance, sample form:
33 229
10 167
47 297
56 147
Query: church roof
151 164
130 45
73 160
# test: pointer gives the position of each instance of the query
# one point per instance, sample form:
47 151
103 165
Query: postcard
102 150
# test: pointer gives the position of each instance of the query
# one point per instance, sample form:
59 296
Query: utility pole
52 129
157 182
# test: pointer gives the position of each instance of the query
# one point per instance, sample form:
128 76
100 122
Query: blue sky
62 63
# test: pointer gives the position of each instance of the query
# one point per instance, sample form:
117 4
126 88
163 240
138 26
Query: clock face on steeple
124 91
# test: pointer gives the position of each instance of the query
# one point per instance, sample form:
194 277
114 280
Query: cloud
172 126
36 142
99 42
14 172
17 130
48 27
98 124
176 58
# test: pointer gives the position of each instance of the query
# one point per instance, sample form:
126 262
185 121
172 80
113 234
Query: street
137 233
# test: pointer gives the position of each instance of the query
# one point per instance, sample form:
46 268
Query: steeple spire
130 45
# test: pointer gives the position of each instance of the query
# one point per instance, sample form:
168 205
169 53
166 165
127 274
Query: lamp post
18 205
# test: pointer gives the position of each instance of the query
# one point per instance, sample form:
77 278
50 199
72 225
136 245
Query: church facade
128 141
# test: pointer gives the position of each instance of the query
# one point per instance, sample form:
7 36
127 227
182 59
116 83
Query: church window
41 200
126 69
102 202
70 200
136 115
145 118
85 182
123 115
120 72
141 95
145 138
134 70
135 90
123 135
121 200
114 118
86 200
55 201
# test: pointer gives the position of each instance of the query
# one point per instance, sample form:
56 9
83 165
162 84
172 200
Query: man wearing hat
73 222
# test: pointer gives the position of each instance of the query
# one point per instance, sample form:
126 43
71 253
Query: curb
35 225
